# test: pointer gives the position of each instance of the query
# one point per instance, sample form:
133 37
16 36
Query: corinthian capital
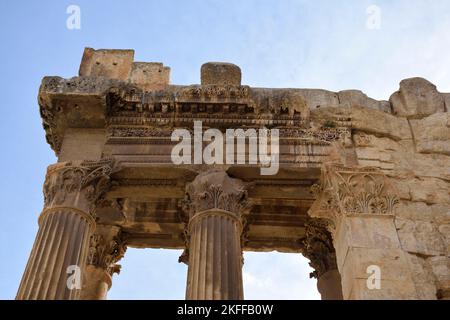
81 184
214 189
106 247
345 191
318 247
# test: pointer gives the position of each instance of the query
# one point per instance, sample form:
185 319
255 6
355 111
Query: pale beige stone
93 141
432 134
422 277
358 98
417 98
379 123
421 237
150 76
220 73
349 165
113 64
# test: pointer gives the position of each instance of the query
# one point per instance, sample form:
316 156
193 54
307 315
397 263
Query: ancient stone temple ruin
362 188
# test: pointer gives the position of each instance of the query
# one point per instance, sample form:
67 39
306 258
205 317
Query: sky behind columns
287 43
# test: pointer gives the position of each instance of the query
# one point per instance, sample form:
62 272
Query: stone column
105 249
318 248
71 191
360 204
215 204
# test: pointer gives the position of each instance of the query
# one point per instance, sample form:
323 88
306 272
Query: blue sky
314 44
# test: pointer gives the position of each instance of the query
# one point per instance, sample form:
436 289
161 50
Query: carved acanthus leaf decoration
318 247
104 253
91 178
216 190
345 191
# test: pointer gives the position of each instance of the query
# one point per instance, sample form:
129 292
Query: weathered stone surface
421 237
113 64
417 98
429 190
432 134
441 269
380 123
364 231
391 290
93 141
379 181
422 276
358 98
150 76
417 211
220 73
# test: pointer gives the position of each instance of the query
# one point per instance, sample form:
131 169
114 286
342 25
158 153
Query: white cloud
278 276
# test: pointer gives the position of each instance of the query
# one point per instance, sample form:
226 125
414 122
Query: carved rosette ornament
346 191
318 247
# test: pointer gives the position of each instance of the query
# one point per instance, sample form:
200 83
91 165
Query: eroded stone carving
105 250
345 191
91 177
318 247
214 189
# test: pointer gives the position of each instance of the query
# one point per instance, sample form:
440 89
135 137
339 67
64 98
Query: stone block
389 290
428 190
358 98
220 73
421 237
422 276
150 76
417 98
432 134
380 123
91 140
418 211
392 263
112 64
372 231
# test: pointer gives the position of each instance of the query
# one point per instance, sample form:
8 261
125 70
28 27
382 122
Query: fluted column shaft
215 260
215 204
57 261
62 241
106 247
